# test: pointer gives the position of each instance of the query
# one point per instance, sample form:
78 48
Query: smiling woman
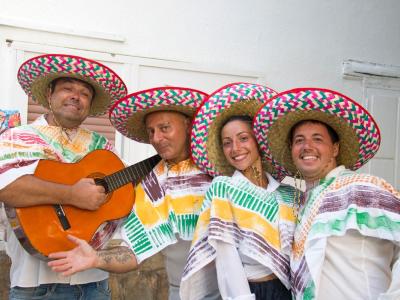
243 236
241 150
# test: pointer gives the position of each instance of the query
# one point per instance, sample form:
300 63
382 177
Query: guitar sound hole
103 183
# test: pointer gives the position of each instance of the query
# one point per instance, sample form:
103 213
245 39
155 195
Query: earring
263 160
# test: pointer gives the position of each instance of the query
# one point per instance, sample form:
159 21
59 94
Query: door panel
384 105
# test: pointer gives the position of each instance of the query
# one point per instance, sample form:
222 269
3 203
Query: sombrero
359 136
35 75
233 99
128 114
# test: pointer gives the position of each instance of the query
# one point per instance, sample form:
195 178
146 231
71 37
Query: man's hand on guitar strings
85 194
82 257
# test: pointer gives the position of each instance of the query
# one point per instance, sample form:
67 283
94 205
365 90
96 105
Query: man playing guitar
72 88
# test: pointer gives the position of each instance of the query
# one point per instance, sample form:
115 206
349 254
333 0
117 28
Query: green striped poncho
342 201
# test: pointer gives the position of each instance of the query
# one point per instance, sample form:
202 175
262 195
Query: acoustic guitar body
39 229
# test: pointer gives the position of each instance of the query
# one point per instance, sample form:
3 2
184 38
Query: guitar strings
135 172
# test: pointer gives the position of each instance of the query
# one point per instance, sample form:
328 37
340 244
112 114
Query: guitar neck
132 173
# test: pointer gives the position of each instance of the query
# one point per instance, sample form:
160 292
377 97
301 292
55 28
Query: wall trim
51 28
359 69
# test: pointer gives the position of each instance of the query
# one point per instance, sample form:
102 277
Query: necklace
255 174
67 133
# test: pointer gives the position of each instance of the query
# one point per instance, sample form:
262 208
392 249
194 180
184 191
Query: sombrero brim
128 114
230 100
359 136
35 75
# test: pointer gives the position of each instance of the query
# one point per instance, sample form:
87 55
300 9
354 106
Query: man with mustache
72 88
347 240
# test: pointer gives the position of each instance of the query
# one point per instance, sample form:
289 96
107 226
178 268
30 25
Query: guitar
43 229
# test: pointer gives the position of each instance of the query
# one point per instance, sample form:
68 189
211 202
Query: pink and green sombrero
233 99
128 114
35 75
359 136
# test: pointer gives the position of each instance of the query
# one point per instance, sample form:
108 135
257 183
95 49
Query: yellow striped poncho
167 205
258 222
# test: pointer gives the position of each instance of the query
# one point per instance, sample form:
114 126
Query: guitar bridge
61 216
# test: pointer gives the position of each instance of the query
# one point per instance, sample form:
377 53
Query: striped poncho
260 223
167 206
24 145
342 201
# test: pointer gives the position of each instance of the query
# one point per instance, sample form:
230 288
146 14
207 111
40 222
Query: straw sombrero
35 75
233 99
359 135
127 115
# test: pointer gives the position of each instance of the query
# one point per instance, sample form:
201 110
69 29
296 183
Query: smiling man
70 100
71 88
315 146
347 240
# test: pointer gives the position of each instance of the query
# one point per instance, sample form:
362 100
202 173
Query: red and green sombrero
128 114
35 75
359 136
233 99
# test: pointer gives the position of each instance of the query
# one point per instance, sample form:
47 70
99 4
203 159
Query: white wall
295 43
287 43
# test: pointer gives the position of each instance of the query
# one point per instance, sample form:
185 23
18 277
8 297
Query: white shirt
175 260
355 266
358 267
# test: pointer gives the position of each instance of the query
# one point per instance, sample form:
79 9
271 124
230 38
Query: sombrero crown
359 136
230 100
35 75
128 114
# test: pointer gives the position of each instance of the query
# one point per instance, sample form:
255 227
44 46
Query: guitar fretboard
132 173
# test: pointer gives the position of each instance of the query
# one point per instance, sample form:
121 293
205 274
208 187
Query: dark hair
53 83
332 133
243 118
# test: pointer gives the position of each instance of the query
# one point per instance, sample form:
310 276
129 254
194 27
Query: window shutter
100 124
